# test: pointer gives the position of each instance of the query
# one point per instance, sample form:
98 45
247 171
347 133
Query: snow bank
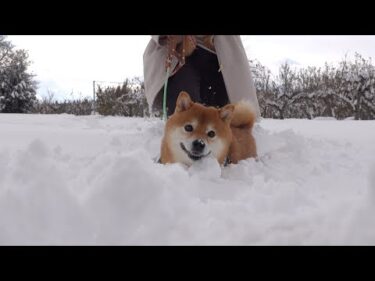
94 180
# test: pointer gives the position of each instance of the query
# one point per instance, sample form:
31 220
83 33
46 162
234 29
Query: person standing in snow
213 69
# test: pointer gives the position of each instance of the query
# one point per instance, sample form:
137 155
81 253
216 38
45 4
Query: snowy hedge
125 100
49 105
340 92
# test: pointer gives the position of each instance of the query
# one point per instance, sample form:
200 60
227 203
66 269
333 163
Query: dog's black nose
198 145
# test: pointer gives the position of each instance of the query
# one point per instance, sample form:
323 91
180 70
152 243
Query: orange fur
243 144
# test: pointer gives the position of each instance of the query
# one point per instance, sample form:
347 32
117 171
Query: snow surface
93 180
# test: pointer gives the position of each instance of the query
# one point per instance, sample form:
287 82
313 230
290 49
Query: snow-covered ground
93 180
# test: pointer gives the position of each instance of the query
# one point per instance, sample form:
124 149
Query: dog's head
195 131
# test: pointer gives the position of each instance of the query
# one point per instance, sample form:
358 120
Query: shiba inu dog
195 131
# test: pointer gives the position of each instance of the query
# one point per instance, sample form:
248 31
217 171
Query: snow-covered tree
266 89
358 83
346 90
17 87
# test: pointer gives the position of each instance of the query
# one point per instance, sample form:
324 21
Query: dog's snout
198 145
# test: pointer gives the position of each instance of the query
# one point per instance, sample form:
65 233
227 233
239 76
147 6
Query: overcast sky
66 64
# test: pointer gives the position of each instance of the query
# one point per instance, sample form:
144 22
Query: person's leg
185 79
212 86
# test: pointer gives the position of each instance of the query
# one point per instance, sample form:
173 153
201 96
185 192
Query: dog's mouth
192 155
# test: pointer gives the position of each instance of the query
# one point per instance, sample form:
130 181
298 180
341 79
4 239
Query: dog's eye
211 134
188 128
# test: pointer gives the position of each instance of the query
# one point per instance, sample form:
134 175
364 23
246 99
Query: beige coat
232 59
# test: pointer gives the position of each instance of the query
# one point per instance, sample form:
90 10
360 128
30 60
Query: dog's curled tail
243 115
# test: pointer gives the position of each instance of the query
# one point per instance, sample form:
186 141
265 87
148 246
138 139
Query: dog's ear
226 112
183 102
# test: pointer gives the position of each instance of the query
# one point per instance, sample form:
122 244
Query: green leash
172 50
165 94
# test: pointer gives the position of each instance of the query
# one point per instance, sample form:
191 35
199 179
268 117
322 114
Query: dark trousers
200 78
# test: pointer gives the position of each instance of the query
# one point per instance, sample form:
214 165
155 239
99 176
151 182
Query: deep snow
93 180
